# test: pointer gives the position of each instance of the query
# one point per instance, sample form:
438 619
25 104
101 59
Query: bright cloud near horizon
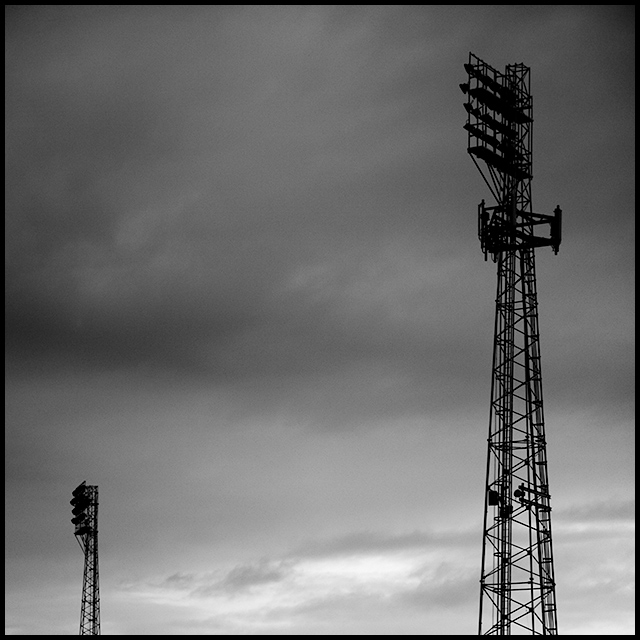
245 297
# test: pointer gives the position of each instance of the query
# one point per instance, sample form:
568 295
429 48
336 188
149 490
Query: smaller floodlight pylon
85 512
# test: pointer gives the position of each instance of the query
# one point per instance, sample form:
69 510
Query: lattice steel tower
85 512
517 584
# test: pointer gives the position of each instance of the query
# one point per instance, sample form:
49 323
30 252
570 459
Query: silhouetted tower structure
85 512
517 584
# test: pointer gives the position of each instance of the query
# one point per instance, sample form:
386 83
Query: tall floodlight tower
517 584
85 518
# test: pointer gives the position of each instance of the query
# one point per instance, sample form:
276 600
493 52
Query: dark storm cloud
162 197
170 172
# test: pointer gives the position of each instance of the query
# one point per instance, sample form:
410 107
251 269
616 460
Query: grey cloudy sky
245 297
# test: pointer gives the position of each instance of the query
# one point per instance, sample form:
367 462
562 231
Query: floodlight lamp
472 110
487 98
464 87
507 94
482 135
498 126
495 103
81 488
79 518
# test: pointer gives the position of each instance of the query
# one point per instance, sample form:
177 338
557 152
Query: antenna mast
517 584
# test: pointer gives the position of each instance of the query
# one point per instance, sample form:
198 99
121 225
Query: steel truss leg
517 582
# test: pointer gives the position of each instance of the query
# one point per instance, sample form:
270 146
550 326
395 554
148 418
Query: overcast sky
246 298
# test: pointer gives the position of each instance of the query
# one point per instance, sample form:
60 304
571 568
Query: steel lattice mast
517 584
85 511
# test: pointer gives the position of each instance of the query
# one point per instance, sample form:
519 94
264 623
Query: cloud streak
360 575
383 581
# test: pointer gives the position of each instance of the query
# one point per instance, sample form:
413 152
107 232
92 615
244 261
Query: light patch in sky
287 596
